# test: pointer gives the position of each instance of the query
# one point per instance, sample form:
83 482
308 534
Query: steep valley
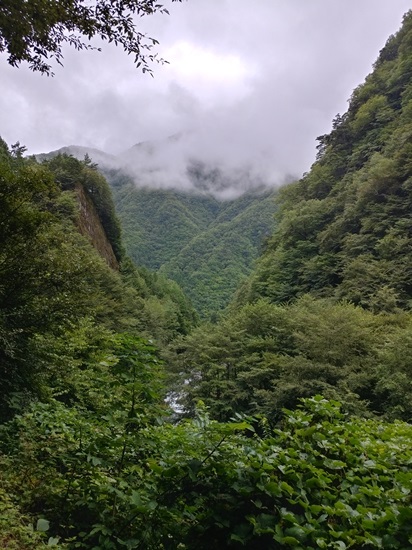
206 245
293 423
205 236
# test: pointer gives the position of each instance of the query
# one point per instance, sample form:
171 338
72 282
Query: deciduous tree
35 30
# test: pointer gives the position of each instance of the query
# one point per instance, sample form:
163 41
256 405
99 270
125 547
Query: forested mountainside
206 243
92 457
213 264
328 307
65 281
345 229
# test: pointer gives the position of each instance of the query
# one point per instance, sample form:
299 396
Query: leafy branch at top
35 30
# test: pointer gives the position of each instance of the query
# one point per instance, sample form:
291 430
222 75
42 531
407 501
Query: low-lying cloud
249 87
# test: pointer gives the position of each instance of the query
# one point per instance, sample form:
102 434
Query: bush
319 481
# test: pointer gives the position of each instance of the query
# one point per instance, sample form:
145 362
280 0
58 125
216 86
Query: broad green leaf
42 525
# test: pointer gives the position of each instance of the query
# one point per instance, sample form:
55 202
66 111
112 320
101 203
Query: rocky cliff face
91 227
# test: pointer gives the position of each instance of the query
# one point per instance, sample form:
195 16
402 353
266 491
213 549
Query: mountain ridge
165 226
328 308
166 164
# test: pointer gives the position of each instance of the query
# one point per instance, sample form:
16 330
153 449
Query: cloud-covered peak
249 86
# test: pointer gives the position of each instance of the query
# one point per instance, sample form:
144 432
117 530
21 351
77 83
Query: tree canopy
206 245
36 30
328 306
59 299
92 457
344 231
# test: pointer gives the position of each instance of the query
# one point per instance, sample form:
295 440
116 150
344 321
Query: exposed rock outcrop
91 227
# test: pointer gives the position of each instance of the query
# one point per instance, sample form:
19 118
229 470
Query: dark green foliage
207 246
35 31
318 481
59 300
165 310
16 531
344 229
264 357
74 457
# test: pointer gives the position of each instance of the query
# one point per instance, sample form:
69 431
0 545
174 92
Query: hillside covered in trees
91 455
208 246
66 283
327 308
190 232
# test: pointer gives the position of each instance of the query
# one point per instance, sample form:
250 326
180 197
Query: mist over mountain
202 224
192 161
328 306
175 163
279 413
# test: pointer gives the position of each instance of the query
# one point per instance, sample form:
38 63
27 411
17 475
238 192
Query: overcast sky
249 82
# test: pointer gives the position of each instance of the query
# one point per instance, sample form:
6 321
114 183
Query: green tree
35 30
344 229
115 478
264 356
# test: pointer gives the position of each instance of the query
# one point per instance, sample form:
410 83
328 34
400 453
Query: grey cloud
303 59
